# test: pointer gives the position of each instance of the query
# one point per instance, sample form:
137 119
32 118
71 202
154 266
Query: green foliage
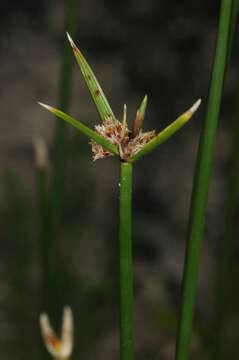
166 133
201 185
82 128
126 277
92 83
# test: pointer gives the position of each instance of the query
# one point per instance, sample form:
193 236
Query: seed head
119 134
59 348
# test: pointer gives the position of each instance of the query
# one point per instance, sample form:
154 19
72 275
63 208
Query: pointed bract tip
43 317
124 112
67 311
44 324
74 47
195 106
41 153
67 322
70 39
141 111
124 118
48 107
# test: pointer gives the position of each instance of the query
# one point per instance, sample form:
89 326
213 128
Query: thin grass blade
234 17
201 185
83 128
92 83
167 132
222 285
56 186
224 270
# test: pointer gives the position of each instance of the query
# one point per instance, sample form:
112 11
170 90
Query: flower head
113 137
59 348
128 142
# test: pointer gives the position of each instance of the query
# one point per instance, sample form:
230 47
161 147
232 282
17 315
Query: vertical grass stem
60 154
201 185
126 272
223 272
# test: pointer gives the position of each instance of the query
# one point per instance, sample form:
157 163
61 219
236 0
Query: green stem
60 156
126 273
201 186
41 185
43 212
234 15
223 273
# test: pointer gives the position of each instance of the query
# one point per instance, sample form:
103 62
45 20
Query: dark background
161 48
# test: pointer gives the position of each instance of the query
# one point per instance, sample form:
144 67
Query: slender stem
234 15
60 156
126 273
201 185
43 212
223 273
41 185
41 166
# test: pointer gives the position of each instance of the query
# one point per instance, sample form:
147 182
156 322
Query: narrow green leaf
84 129
234 16
94 87
201 185
223 273
140 116
166 133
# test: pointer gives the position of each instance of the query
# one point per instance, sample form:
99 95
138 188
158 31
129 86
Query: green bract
114 137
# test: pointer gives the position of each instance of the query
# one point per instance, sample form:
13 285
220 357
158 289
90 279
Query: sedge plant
114 137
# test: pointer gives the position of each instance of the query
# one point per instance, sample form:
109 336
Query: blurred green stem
234 16
126 272
223 273
60 154
41 185
201 185
42 203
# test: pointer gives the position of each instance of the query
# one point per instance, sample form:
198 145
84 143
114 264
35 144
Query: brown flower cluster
119 134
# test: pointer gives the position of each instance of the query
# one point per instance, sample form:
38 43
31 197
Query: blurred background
164 49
